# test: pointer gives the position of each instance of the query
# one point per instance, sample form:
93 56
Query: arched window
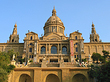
53 50
43 50
76 37
64 50
76 49
12 40
31 38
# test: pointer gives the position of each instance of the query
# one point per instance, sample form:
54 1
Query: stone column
103 47
96 48
58 48
35 48
39 48
46 49
61 48
49 48
65 75
67 48
37 75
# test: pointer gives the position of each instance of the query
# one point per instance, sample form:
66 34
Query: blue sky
75 14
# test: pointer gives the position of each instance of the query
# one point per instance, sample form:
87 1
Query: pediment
52 36
76 32
31 33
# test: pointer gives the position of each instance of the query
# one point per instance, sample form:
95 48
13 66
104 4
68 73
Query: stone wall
50 74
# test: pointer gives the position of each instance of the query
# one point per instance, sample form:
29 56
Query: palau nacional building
53 54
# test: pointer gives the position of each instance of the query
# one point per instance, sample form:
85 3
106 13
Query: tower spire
93 24
14 38
93 29
15 29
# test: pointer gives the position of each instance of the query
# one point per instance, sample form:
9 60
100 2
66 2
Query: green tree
76 59
10 53
102 59
101 73
105 55
5 68
95 57
84 60
3 75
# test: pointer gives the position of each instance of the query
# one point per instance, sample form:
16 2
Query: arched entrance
79 78
25 78
52 78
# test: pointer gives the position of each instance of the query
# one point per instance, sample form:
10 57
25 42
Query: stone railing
51 54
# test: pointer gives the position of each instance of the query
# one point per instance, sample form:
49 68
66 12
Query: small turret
14 38
94 37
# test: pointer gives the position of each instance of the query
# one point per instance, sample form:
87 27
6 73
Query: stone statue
13 57
44 57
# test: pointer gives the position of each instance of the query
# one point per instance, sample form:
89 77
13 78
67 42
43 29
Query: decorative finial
28 31
15 25
54 7
66 35
93 24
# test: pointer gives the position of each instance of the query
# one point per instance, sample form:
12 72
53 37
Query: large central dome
54 24
54 18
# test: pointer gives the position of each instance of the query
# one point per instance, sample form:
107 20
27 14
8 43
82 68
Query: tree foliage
96 57
84 60
101 73
5 68
105 55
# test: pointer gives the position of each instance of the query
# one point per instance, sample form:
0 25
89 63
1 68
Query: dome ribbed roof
54 19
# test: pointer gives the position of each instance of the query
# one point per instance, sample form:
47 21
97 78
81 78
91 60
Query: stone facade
54 45
51 51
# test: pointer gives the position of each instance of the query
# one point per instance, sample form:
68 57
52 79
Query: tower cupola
54 12
94 37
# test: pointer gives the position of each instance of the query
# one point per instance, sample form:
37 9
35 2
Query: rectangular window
32 56
29 56
74 56
30 49
53 60
65 60
54 28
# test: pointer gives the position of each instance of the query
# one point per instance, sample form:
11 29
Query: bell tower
94 37
14 38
